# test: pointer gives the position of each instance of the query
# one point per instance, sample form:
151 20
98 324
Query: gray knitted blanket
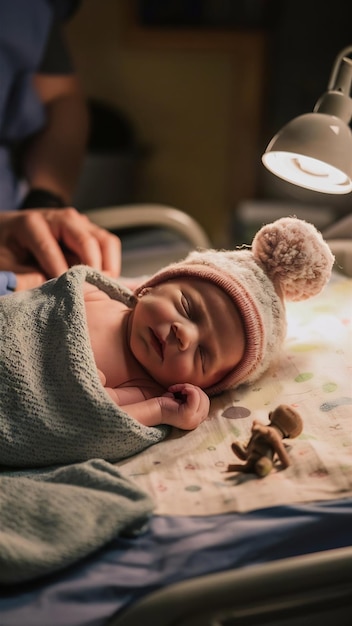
55 415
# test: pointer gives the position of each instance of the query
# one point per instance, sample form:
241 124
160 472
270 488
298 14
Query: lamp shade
313 151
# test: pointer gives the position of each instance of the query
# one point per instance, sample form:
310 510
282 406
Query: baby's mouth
157 343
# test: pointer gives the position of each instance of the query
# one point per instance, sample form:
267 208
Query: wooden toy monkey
266 442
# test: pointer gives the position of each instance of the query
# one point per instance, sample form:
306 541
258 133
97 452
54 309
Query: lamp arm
345 52
337 100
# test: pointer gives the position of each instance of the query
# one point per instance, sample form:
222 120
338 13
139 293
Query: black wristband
42 198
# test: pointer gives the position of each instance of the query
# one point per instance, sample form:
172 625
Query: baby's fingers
193 398
185 393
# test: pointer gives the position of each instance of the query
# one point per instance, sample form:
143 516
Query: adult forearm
53 158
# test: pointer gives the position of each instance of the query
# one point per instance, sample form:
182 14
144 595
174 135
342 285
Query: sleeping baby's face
186 330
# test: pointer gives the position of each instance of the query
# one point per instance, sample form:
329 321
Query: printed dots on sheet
301 378
328 406
236 412
329 387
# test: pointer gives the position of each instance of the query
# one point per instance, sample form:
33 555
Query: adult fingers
54 235
110 246
28 280
36 236
93 245
74 230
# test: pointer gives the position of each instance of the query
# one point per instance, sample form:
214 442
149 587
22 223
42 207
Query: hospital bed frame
152 235
309 590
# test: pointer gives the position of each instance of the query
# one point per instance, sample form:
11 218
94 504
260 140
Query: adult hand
39 244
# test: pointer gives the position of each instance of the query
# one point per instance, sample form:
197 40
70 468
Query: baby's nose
185 333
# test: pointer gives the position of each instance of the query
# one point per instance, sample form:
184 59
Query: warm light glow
314 167
307 172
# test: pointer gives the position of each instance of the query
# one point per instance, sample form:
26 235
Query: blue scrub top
25 27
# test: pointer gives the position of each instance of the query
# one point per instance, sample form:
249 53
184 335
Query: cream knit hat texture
288 260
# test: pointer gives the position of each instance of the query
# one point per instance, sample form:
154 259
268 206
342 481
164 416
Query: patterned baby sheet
187 473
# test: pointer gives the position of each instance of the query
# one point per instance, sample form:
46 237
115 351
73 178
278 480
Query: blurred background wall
198 89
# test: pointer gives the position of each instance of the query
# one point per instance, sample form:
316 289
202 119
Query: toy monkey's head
287 420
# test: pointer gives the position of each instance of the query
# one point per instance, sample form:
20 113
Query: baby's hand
184 406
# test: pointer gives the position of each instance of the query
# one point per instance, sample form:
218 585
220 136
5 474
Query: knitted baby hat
288 260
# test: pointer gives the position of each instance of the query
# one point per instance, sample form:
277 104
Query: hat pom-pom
295 256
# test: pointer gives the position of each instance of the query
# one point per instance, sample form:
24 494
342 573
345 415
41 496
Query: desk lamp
315 150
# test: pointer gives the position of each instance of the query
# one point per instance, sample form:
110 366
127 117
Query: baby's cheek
185 372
